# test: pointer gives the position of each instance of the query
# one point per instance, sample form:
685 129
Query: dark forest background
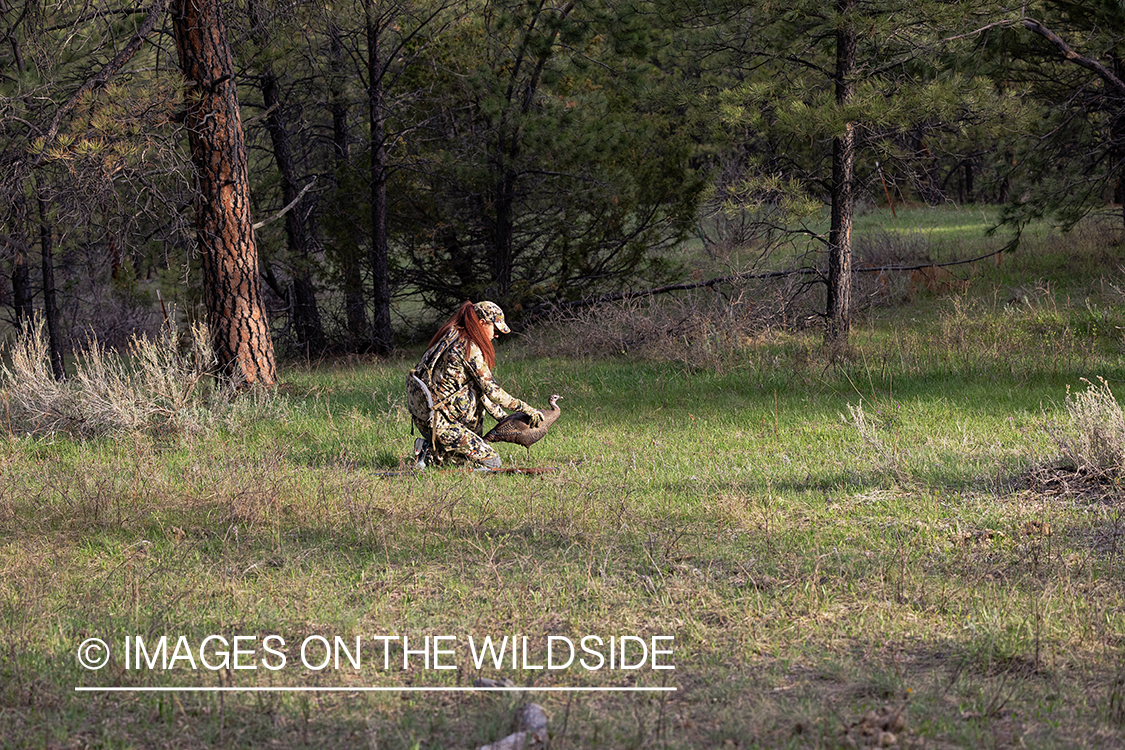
404 156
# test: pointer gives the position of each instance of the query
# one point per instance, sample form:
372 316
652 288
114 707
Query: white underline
301 689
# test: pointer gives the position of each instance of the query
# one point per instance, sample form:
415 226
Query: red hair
469 327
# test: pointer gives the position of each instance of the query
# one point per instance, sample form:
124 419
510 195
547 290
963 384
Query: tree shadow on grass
846 482
350 460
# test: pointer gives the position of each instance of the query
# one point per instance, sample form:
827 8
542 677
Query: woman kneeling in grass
452 386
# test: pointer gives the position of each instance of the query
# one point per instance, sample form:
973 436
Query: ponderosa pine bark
231 285
839 301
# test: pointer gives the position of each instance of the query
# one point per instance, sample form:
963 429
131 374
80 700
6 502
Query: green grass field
873 549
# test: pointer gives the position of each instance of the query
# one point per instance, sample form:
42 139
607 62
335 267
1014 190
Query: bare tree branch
1007 24
1037 27
747 276
287 209
1086 62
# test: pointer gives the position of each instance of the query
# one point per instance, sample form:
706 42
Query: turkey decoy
515 428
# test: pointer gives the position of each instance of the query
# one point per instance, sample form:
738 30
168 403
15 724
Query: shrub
1092 438
153 387
704 328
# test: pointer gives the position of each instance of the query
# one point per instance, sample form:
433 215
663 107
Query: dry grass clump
889 458
1092 438
702 328
153 386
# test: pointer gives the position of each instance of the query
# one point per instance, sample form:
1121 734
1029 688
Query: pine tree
305 313
232 290
87 130
550 166
1070 58
832 87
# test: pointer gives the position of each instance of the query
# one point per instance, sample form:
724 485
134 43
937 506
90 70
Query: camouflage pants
449 442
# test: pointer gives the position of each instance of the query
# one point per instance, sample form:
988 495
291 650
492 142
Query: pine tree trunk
306 314
502 201
1117 135
502 228
354 309
21 291
381 292
50 297
839 301
231 285
21 283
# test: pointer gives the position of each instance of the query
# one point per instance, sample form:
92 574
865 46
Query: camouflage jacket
461 383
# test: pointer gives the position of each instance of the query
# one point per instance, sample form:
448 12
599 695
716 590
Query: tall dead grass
152 386
706 328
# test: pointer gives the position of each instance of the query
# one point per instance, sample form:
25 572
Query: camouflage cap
490 312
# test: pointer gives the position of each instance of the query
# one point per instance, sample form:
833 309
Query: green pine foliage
917 106
553 166
1068 161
